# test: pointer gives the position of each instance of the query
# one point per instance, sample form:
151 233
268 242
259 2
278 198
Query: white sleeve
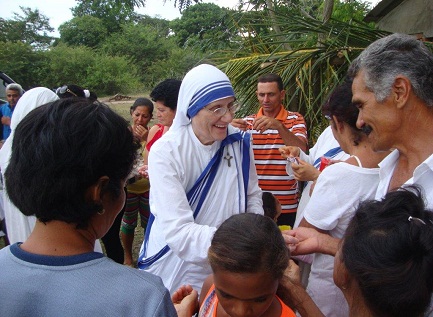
328 202
187 239
254 198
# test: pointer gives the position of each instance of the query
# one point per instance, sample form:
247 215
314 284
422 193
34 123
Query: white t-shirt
325 142
338 191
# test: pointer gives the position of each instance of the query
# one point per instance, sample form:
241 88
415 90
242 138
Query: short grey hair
397 54
16 87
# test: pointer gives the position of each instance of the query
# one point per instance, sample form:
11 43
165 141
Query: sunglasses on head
64 89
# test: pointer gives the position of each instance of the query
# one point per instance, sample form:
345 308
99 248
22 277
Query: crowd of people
239 217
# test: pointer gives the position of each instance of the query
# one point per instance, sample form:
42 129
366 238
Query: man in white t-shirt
393 89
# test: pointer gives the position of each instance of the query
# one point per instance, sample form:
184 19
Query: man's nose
360 121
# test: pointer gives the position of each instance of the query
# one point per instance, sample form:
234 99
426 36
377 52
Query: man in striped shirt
272 127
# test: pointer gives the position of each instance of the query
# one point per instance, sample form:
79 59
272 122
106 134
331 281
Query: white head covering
200 86
30 100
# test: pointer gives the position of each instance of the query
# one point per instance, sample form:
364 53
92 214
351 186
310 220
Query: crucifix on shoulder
228 157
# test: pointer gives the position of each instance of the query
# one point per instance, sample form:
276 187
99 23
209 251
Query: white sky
58 11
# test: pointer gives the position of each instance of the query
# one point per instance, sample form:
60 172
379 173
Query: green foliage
309 72
111 12
176 66
141 45
32 28
86 30
20 61
205 26
103 74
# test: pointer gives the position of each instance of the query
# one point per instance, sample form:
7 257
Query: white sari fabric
175 163
19 226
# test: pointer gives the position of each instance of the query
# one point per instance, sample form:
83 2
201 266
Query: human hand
288 150
304 171
264 123
241 124
6 120
308 240
142 170
290 240
185 300
140 132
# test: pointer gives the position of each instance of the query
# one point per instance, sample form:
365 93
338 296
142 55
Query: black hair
249 243
388 249
271 78
71 91
62 148
167 92
269 205
339 104
144 102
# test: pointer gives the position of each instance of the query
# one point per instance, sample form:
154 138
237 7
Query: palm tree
309 71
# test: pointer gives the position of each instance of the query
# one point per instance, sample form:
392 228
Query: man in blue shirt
13 94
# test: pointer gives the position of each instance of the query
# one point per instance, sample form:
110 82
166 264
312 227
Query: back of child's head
249 243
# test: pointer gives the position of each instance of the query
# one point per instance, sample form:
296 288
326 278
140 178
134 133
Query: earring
101 212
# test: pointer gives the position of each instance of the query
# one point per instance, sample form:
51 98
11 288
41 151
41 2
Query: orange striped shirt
271 167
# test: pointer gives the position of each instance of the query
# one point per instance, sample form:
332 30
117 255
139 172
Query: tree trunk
275 25
327 13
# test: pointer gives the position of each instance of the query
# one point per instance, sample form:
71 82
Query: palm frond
309 72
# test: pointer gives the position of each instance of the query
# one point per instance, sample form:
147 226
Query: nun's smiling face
210 124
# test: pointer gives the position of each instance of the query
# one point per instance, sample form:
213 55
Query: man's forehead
12 92
268 86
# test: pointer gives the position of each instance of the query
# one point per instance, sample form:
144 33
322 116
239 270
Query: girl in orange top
248 257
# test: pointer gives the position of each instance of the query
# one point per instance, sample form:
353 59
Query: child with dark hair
69 163
248 257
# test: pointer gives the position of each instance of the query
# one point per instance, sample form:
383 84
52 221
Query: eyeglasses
219 112
65 89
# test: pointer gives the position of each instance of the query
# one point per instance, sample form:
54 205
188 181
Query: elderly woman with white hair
201 172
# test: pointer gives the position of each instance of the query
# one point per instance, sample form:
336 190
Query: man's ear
401 90
282 94
96 191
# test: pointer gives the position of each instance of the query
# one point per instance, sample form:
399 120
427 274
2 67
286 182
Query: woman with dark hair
164 95
383 263
137 200
70 161
248 257
338 189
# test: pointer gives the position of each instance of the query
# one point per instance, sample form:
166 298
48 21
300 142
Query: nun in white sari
201 172
19 226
